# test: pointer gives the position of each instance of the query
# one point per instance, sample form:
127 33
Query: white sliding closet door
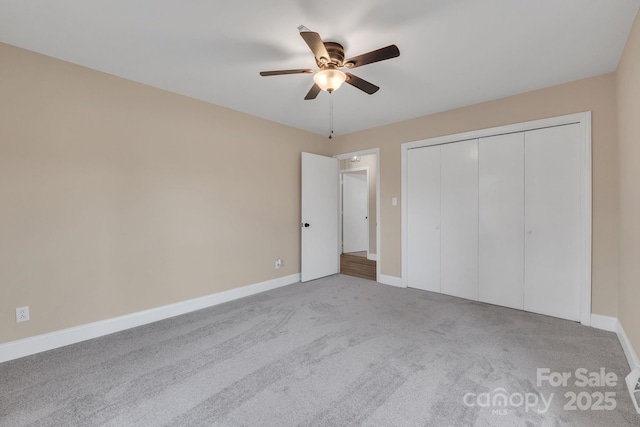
423 202
459 219
552 224
501 222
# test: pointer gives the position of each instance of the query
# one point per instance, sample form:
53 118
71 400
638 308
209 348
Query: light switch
394 201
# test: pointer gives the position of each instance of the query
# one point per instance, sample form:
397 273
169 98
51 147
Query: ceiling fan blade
316 45
381 54
361 84
313 92
279 72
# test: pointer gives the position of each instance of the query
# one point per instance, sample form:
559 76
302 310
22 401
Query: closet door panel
501 220
459 219
423 222
552 221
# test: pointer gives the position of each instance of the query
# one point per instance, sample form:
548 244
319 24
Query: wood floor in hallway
356 264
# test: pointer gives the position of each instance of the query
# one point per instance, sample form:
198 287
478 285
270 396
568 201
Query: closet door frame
584 120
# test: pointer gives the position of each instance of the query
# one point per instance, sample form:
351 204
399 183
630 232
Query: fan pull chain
330 115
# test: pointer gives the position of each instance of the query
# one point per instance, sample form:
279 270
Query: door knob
305 225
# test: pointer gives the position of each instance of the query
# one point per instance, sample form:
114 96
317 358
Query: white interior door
355 212
423 218
459 219
501 220
320 193
552 221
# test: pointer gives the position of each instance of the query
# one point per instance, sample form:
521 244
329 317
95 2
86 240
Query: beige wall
596 94
369 161
117 197
628 89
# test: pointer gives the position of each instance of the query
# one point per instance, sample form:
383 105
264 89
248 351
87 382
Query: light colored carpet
333 352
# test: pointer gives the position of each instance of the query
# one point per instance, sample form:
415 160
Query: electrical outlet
22 314
278 263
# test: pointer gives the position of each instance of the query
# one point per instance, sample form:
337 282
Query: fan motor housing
336 55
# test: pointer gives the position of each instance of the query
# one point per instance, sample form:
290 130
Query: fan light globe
330 79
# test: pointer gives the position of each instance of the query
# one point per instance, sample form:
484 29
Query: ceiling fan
330 59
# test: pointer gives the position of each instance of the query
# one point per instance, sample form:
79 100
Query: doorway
359 213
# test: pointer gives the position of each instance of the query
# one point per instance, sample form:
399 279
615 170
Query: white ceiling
452 52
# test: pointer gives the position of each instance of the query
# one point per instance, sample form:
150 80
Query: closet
498 219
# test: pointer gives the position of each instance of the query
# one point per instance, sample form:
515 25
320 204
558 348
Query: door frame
584 120
341 207
345 156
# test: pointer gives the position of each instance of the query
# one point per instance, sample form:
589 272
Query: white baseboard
612 324
632 356
390 280
372 257
32 345
606 323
